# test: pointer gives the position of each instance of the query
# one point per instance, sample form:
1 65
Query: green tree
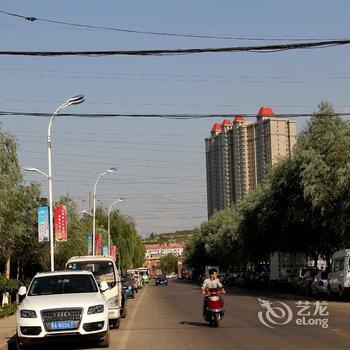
124 235
168 264
18 203
323 150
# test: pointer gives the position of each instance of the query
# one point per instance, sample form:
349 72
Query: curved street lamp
72 101
109 220
108 171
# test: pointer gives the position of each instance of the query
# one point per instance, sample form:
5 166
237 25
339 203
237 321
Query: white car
63 304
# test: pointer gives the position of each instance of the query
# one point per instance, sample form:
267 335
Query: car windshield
161 277
62 284
102 270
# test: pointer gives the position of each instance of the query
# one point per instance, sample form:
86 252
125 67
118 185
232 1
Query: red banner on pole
60 223
98 244
113 252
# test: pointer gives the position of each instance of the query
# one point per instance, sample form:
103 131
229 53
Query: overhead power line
190 51
156 33
182 116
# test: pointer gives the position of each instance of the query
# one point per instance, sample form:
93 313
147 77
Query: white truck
285 266
104 270
339 276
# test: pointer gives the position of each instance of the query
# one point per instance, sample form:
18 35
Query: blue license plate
62 325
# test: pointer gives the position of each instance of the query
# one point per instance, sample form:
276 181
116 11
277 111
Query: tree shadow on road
198 324
66 345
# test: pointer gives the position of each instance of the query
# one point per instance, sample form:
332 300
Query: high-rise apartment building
239 153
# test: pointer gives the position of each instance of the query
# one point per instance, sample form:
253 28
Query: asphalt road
169 317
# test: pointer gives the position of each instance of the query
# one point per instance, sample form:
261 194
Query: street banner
105 250
43 224
98 244
60 223
113 252
89 243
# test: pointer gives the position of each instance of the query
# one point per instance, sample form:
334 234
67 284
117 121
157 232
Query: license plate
62 325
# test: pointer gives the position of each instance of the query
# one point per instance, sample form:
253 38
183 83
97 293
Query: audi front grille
61 315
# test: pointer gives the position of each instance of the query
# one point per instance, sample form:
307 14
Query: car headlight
96 309
28 314
112 302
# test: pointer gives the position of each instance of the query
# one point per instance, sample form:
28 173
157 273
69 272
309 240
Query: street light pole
109 221
72 101
108 171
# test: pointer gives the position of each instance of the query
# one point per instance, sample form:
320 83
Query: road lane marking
126 334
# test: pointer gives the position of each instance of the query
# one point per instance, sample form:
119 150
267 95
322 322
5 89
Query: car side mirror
22 291
103 286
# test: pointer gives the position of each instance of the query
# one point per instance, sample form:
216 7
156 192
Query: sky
161 163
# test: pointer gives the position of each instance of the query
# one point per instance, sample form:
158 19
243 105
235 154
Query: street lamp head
75 100
37 171
120 199
31 169
85 212
112 170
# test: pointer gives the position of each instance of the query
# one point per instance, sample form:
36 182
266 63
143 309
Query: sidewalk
7 330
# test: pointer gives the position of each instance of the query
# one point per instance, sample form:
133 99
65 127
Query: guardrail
8 310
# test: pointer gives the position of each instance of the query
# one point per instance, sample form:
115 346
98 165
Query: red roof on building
265 112
239 118
226 122
216 127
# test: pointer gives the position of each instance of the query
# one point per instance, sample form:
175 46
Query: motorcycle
213 306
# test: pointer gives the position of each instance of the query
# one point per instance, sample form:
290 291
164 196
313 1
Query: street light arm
63 105
110 208
109 220
37 171
98 179
86 213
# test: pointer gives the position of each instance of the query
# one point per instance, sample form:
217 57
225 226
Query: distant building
154 252
239 153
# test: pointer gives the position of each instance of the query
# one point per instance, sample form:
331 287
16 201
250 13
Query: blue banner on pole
43 224
105 250
89 243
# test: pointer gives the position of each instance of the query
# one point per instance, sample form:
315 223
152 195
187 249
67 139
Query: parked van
339 276
104 270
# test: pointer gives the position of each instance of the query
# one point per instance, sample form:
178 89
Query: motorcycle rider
210 283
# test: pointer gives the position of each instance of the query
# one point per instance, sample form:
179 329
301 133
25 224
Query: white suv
63 304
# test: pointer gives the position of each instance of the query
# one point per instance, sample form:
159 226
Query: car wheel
329 293
18 345
124 312
115 324
106 341
341 293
